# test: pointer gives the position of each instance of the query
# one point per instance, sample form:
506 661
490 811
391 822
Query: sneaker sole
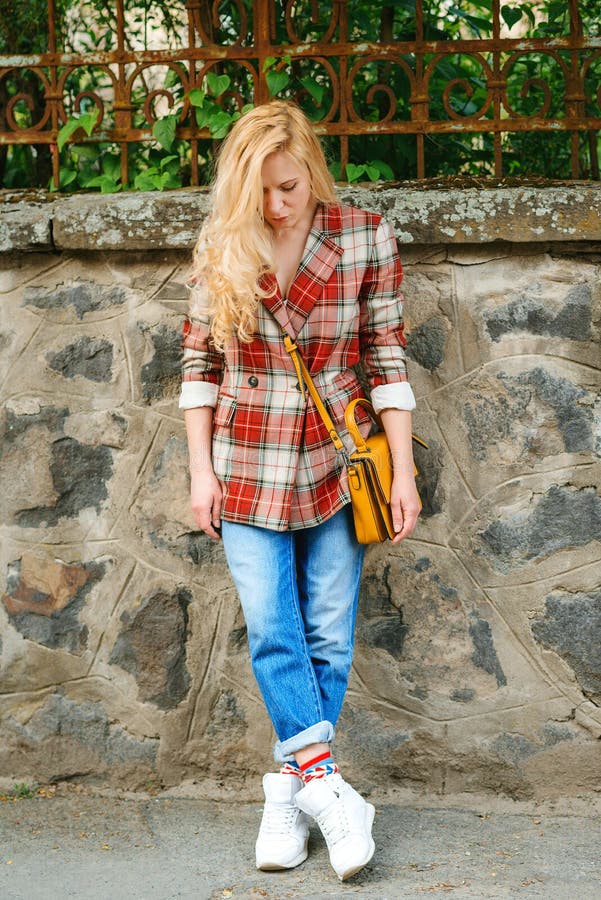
348 873
276 866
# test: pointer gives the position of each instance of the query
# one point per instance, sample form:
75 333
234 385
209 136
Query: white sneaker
345 820
284 832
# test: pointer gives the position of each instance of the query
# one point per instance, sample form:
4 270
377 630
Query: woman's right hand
205 497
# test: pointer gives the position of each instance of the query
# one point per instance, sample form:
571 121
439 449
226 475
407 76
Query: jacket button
297 386
253 381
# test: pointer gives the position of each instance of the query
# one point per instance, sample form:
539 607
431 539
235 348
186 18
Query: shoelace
278 819
333 823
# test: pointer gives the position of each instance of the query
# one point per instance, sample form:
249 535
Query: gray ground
96 847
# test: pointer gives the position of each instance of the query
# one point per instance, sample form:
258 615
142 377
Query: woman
279 254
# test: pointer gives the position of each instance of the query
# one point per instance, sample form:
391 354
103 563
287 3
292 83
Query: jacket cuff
393 396
198 393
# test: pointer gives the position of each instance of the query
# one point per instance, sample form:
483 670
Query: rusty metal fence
499 92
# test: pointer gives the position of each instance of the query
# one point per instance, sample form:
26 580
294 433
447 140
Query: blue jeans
299 592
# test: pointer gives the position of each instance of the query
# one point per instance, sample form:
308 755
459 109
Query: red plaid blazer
271 451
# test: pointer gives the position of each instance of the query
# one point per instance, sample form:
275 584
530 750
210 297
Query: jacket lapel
274 302
320 258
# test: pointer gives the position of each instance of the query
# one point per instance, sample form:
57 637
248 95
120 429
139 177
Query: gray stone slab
25 225
171 219
132 221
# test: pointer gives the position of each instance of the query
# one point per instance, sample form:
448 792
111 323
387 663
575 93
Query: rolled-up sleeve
381 334
202 364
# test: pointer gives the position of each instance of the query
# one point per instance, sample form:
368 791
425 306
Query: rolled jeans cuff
320 733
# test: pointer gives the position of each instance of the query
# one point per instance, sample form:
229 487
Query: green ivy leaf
315 89
69 128
276 82
106 184
144 181
163 131
66 177
269 62
204 113
556 9
353 172
73 124
335 170
510 15
111 166
384 169
196 97
372 172
218 83
168 159
219 124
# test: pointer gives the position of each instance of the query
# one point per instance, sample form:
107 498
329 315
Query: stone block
25 225
58 738
91 358
161 509
532 528
519 416
429 643
44 598
571 626
481 215
152 646
532 304
169 219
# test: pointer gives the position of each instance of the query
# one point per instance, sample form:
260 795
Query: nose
273 202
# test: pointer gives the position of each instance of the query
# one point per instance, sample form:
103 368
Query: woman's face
287 199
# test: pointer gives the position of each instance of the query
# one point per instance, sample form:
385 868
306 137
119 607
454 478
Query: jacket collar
319 259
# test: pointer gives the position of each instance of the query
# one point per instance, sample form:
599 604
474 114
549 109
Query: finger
397 517
409 524
202 519
214 535
217 511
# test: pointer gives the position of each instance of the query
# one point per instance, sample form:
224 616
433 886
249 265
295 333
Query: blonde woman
278 254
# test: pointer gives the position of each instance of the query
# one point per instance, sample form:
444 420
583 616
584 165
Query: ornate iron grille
498 94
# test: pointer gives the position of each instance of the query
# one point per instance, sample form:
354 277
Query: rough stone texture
44 599
139 221
171 219
123 652
25 225
87 357
571 626
152 647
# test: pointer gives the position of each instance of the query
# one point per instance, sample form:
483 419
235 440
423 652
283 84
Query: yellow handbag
369 466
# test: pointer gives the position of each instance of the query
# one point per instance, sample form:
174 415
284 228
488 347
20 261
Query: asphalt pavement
75 843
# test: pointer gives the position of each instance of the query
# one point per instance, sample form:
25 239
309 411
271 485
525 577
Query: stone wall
123 652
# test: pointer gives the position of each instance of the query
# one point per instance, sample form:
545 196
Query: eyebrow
288 181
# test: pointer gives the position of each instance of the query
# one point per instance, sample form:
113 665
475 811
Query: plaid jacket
271 451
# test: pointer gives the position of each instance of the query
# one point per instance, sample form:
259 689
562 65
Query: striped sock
318 767
291 768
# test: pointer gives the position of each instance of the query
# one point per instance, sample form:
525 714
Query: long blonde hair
234 247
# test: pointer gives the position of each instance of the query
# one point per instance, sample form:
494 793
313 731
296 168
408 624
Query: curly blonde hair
234 248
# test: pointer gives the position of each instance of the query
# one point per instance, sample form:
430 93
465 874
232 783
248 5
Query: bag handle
304 378
351 422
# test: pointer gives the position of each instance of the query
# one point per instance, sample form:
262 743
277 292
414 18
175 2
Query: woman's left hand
405 505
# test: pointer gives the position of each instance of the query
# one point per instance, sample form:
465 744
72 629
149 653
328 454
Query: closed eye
289 188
